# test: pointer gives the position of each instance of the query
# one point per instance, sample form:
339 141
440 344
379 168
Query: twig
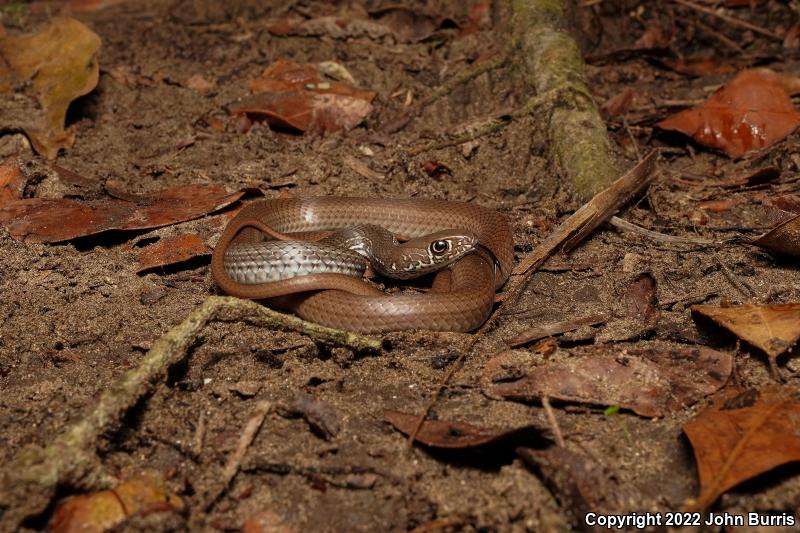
729 19
730 43
245 439
199 433
555 328
443 90
632 138
443 383
624 225
740 286
235 309
551 417
491 126
592 214
29 481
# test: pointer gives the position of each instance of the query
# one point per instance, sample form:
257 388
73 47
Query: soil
75 316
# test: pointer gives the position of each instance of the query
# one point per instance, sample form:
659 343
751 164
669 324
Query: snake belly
462 302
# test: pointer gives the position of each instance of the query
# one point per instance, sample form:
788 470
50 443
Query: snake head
432 252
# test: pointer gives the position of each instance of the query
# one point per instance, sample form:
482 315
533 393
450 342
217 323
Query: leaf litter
332 373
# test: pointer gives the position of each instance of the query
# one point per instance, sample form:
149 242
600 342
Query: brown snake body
462 295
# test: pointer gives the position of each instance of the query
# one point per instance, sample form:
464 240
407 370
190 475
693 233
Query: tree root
29 482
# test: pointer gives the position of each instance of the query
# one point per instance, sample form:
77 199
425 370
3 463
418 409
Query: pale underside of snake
474 242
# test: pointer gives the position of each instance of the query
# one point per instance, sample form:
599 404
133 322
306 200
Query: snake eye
439 247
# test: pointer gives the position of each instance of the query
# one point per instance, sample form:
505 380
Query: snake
320 281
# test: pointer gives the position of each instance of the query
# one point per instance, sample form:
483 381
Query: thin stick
719 36
245 440
740 286
551 417
729 19
443 90
624 225
199 433
491 126
443 384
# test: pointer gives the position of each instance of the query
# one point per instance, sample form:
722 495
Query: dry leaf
555 328
12 182
294 96
743 437
753 111
698 66
453 435
60 63
650 383
172 250
784 238
57 220
101 511
772 328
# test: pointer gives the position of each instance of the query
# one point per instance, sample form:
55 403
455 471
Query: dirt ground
76 316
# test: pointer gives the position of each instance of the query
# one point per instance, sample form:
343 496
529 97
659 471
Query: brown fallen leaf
60 63
296 97
752 111
57 220
742 437
649 382
784 238
171 250
103 510
453 435
12 183
771 328
698 66
555 328
581 485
